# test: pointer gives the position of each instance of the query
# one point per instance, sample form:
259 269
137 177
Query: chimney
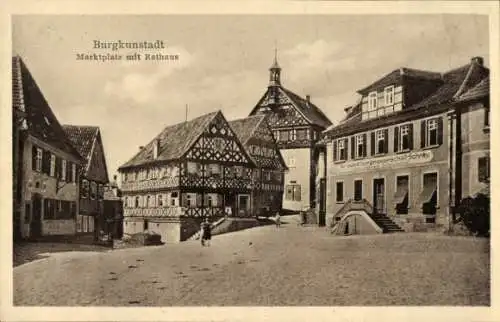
156 148
478 60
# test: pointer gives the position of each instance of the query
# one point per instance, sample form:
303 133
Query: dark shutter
353 155
386 140
440 130
396 139
422 133
335 150
346 147
68 171
372 143
410 136
33 157
365 147
44 161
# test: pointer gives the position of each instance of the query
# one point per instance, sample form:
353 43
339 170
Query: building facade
396 149
94 177
47 165
268 177
191 170
296 124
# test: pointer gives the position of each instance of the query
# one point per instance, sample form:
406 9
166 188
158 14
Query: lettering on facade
395 161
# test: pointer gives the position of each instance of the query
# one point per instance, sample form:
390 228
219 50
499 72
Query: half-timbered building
191 170
94 177
296 124
257 138
46 164
394 156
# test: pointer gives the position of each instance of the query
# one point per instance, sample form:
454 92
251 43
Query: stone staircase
386 223
215 224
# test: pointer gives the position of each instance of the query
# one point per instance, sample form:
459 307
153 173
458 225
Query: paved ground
265 266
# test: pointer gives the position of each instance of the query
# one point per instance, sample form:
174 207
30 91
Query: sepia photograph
246 160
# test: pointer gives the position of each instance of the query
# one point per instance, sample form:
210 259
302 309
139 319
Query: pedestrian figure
278 220
206 233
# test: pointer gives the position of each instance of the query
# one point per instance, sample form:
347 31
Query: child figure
278 220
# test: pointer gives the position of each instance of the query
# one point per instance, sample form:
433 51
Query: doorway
379 196
36 217
243 204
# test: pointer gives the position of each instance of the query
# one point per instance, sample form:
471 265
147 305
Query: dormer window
372 101
389 95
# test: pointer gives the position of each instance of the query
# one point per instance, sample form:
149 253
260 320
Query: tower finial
275 70
275 51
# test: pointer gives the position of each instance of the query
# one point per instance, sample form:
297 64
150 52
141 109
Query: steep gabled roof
82 138
482 89
175 140
40 122
245 129
308 109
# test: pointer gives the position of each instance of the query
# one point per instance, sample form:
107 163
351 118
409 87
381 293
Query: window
293 192
431 132
63 170
190 200
39 157
73 172
339 191
284 135
358 190
372 101
358 146
85 188
214 170
100 191
389 95
379 141
192 168
403 138
93 190
340 150
293 135
238 171
174 198
137 202
277 135
483 164
52 165
291 162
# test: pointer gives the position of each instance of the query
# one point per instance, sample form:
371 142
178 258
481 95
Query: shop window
339 191
358 190
293 192
483 164
401 196
428 197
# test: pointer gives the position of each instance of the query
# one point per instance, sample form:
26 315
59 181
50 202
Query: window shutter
396 139
335 150
45 154
440 130
386 140
33 158
372 143
365 147
58 167
353 155
422 133
68 171
410 135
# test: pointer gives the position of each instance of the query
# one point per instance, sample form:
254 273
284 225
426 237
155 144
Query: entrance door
322 203
378 196
243 204
36 217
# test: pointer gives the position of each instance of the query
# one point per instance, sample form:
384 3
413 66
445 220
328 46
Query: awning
426 194
400 195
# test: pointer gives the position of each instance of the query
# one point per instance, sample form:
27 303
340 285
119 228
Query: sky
223 64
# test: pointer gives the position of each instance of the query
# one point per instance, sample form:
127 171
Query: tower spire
275 70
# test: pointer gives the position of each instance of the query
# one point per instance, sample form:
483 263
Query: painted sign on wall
394 161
